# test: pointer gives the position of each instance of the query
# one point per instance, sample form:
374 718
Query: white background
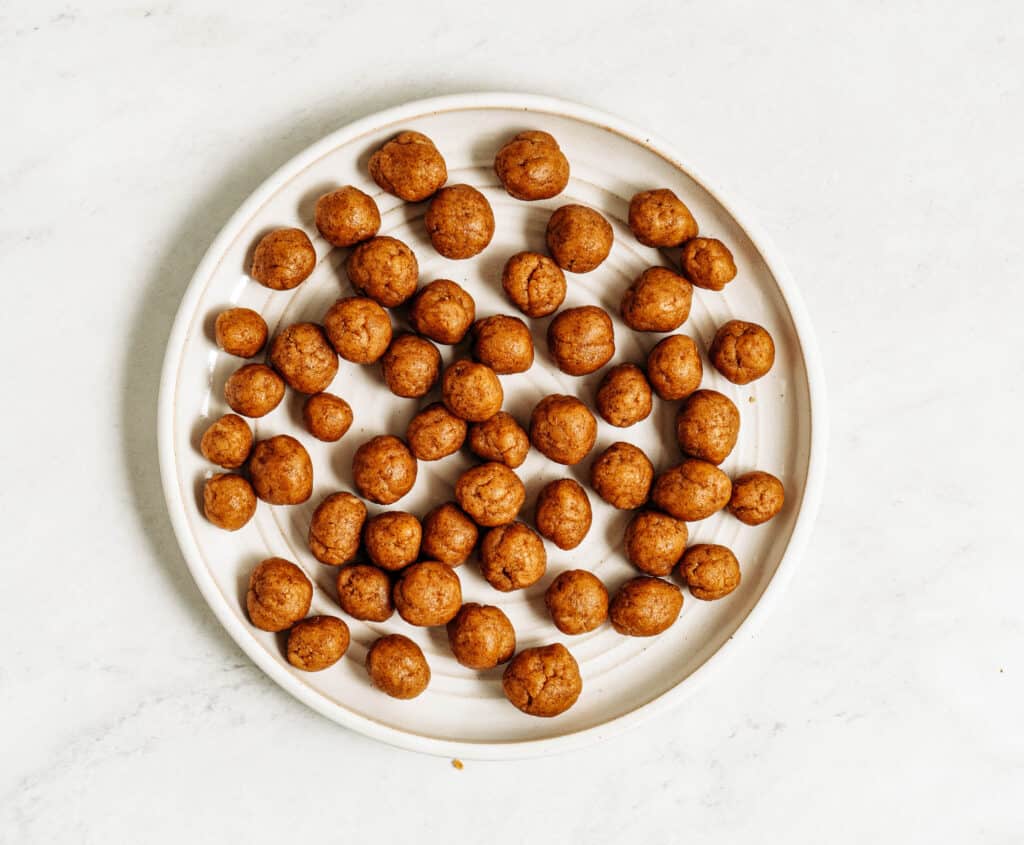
880 144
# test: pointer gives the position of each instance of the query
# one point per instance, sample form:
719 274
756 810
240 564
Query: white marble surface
880 144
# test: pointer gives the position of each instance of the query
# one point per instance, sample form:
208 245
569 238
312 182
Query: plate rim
798 540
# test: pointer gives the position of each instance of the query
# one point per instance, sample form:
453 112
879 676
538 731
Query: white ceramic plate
463 713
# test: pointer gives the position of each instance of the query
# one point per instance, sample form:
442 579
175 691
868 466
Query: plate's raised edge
799 538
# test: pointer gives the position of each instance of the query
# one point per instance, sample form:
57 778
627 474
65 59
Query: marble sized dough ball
645 607
692 490
240 331
228 501
384 269
674 368
227 442
347 216
472 391
708 263
581 340
411 365
428 594
383 469
577 602
397 667
281 471
503 343
512 557
499 439
756 497
658 301
534 284
443 311
279 595
481 636
579 238
327 417
660 219
435 432
622 476
742 351
707 426
283 259
304 357
254 390
358 328
491 494
364 592
655 542
562 428
543 681
449 536
624 397
563 514
392 539
409 166
459 221
336 529
710 571
532 167
317 642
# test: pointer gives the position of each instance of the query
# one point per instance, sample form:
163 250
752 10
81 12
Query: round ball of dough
397 667
512 557
303 356
336 529
347 216
392 539
427 594
532 167
279 595
503 343
707 263
443 311
756 497
645 607
581 340
459 221
674 368
491 494
742 352
622 476
533 283
577 601
327 417
283 259
543 681
655 542
624 397
658 301
281 471
227 442
254 390
499 439
563 514
411 365
472 391
692 490
562 428
481 636
364 592
409 166
578 238
358 329
711 572
228 501
384 269
240 331
435 432
660 219
448 535
707 426
317 642
383 469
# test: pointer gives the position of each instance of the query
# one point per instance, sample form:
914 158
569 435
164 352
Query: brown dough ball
284 259
534 283
358 329
481 636
563 514
562 428
490 493
658 301
655 542
347 216
364 592
581 340
577 602
317 642
674 368
384 269
512 557
622 476
228 501
227 442
397 667
579 238
392 539
472 391
435 432
448 535
327 416
411 365
281 471
500 439
336 528
707 426
624 397
532 167
644 607
427 594
279 595
240 331
742 352
443 311
711 572
707 263
503 343
756 497
692 490
409 166
254 390
304 358
660 219
543 681
383 469
459 221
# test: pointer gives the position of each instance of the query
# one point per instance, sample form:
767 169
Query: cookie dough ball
543 681
711 572
674 368
364 592
622 476
448 535
660 219
383 469
392 539
227 442
228 501
347 216
658 301
756 497
512 557
254 390
284 259
443 311
336 528
435 432
397 667
427 594
692 490
532 167
707 263
577 602
742 352
562 428
707 426
409 166
327 417
581 340
358 329
624 397
563 514
655 542
240 331
503 343
411 365
279 595
645 607
481 636
579 238
281 471
384 269
472 391
499 439
305 359
490 493
533 283
459 221
317 642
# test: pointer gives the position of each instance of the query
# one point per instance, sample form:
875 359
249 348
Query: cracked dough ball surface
347 216
707 426
227 442
659 218
579 238
500 439
358 328
563 514
512 557
392 539
364 592
756 497
279 595
397 667
655 542
240 331
459 221
336 528
327 417
443 311
742 351
281 471
622 476
645 607
543 681
448 535
472 391
710 571
533 283
624 397
532 167
658 301
317 642
428 594
481 636
503 343
674 368
384 269
305 359
254 390
409 166
708 263
581 340
383 469
435 432
283 259
411 365
692 490
577 602
491 494
228 501
563 428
